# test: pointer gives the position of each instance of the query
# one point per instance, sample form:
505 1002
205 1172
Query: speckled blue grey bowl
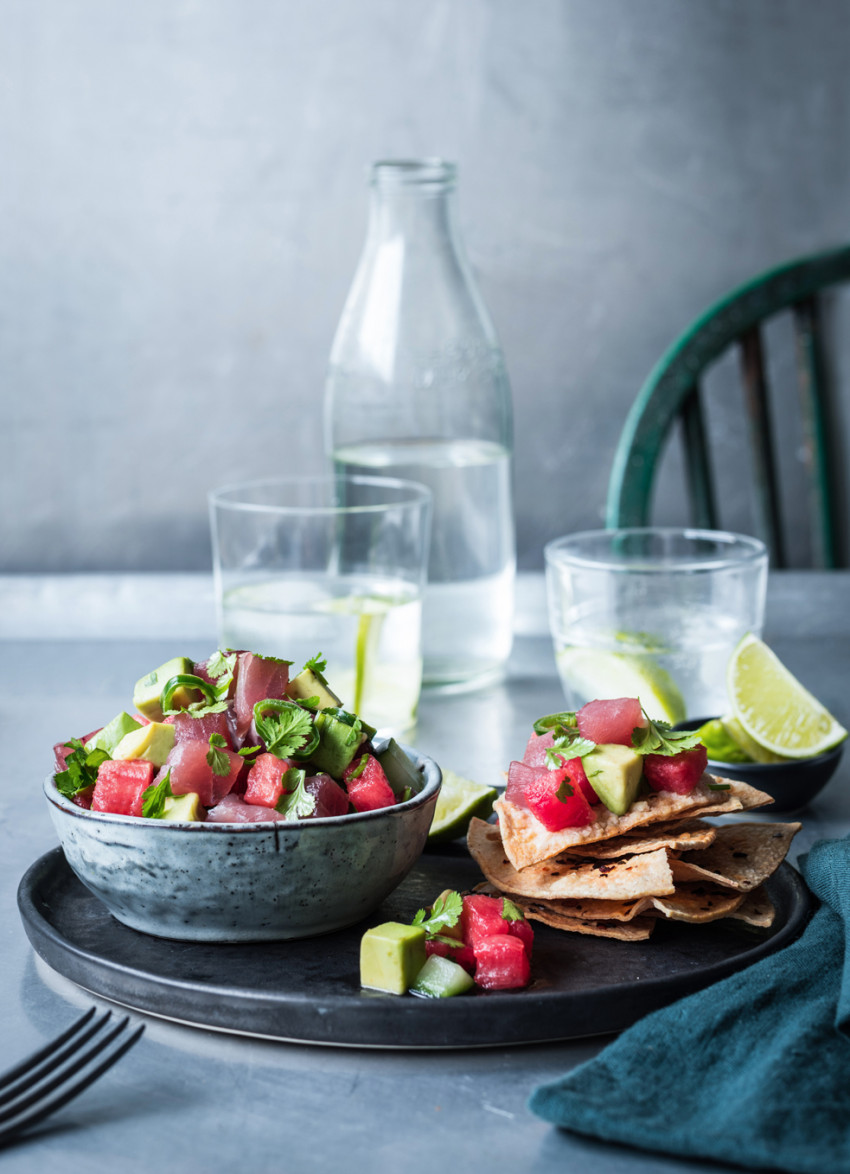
248 882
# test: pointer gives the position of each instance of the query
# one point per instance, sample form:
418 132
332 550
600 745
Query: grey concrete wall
182 205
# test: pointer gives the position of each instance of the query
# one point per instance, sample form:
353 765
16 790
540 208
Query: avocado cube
312 684
112 733
152 742
183 808
401 774
149 689
440 978
338 743
615 773
391 956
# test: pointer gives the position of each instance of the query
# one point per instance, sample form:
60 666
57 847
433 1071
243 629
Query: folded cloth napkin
753 1071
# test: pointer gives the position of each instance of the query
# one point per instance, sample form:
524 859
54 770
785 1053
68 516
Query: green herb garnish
658 737
567 741
317 664
510 912
445 914
296 802
285 727
719 786
154 796
81 767
565 791
216 757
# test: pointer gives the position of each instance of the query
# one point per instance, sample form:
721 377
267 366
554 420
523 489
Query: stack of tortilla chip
617 876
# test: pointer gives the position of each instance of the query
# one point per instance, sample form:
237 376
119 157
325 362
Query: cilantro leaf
154 796
445 913
284 726
216 757
316 664
565 791
658 737
296 802
221 665
510 912
567 742
247 751
81 767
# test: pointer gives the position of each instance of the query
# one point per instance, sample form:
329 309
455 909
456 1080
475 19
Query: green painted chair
672 392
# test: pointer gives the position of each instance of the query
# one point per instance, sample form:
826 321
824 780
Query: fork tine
69 1093
32 1071
64 1072
49 1049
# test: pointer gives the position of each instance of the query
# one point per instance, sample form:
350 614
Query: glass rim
412 493
748 551
412 171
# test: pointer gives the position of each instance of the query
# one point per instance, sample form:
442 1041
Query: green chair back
672 391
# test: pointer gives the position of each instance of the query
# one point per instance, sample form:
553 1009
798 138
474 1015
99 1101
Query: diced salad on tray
232 739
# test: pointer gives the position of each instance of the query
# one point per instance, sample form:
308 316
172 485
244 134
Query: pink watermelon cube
368 788
502 963
679 773
481 918
265 780
120 786
461 953
548 797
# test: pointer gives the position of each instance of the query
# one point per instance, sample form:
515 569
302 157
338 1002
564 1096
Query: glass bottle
417 388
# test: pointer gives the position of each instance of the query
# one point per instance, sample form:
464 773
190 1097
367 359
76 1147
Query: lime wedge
774 708
459 800
593 674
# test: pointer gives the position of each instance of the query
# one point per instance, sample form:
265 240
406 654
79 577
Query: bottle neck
414 198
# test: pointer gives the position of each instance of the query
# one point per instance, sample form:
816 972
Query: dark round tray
308 991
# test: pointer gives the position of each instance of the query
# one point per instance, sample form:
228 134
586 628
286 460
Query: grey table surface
190 1100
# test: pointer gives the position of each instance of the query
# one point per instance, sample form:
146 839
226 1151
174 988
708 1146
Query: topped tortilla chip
742 856
528 842
568 876
681 836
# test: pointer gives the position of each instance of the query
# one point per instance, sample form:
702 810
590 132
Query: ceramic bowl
793 785
247 882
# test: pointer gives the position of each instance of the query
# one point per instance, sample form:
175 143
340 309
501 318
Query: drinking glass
333 566
653 613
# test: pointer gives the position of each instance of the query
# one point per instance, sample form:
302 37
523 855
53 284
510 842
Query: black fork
85 1048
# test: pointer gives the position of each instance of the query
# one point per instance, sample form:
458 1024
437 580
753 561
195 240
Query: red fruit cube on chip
578 777
679 773
265 780
610 721
120 786
556 802
502 963
368 787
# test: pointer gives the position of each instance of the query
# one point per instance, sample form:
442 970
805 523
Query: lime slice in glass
459 800
774 708
593 674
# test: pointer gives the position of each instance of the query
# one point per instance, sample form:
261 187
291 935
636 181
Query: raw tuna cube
548 797
190 771
519 775
330 798
482 918
461 953
368 788
679 773
198 729
535 750
232 809
257 678
502 963
83 798
265 780
121 784
610 721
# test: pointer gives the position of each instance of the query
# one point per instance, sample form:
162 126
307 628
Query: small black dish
793 785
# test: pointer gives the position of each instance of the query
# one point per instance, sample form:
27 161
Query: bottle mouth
414 173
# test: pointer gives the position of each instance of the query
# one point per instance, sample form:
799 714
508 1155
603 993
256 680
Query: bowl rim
766 767
431 771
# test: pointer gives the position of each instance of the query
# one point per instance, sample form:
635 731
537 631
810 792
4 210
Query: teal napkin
754 1071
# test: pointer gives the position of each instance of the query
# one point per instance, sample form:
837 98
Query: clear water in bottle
468 605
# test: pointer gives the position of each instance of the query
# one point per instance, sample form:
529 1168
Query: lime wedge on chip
459 800
773 708
592 674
